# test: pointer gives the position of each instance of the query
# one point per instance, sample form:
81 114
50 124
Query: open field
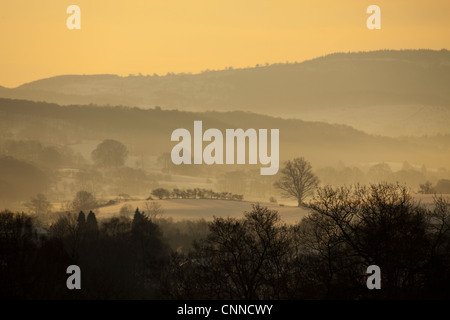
193 209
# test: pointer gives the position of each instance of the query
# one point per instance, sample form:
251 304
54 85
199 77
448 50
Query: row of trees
379 172
196 193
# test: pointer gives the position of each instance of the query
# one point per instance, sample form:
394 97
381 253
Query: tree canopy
110 153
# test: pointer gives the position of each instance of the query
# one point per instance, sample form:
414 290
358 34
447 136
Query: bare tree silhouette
297 180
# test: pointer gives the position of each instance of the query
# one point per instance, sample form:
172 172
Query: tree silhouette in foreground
239 258
354 227
327 254
91 227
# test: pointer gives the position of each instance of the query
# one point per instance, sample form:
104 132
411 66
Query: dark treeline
325 256
120 258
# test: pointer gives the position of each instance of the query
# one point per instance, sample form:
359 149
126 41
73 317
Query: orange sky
146 36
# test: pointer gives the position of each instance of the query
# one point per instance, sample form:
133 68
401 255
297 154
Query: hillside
147 132
382 92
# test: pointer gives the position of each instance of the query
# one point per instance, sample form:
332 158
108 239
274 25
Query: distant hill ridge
340 87
389 76
149 131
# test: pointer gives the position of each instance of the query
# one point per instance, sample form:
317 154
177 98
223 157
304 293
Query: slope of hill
147 132
383 92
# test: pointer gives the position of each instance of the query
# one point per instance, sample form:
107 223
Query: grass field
193 209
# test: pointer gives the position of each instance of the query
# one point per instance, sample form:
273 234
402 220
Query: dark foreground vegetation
256 257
